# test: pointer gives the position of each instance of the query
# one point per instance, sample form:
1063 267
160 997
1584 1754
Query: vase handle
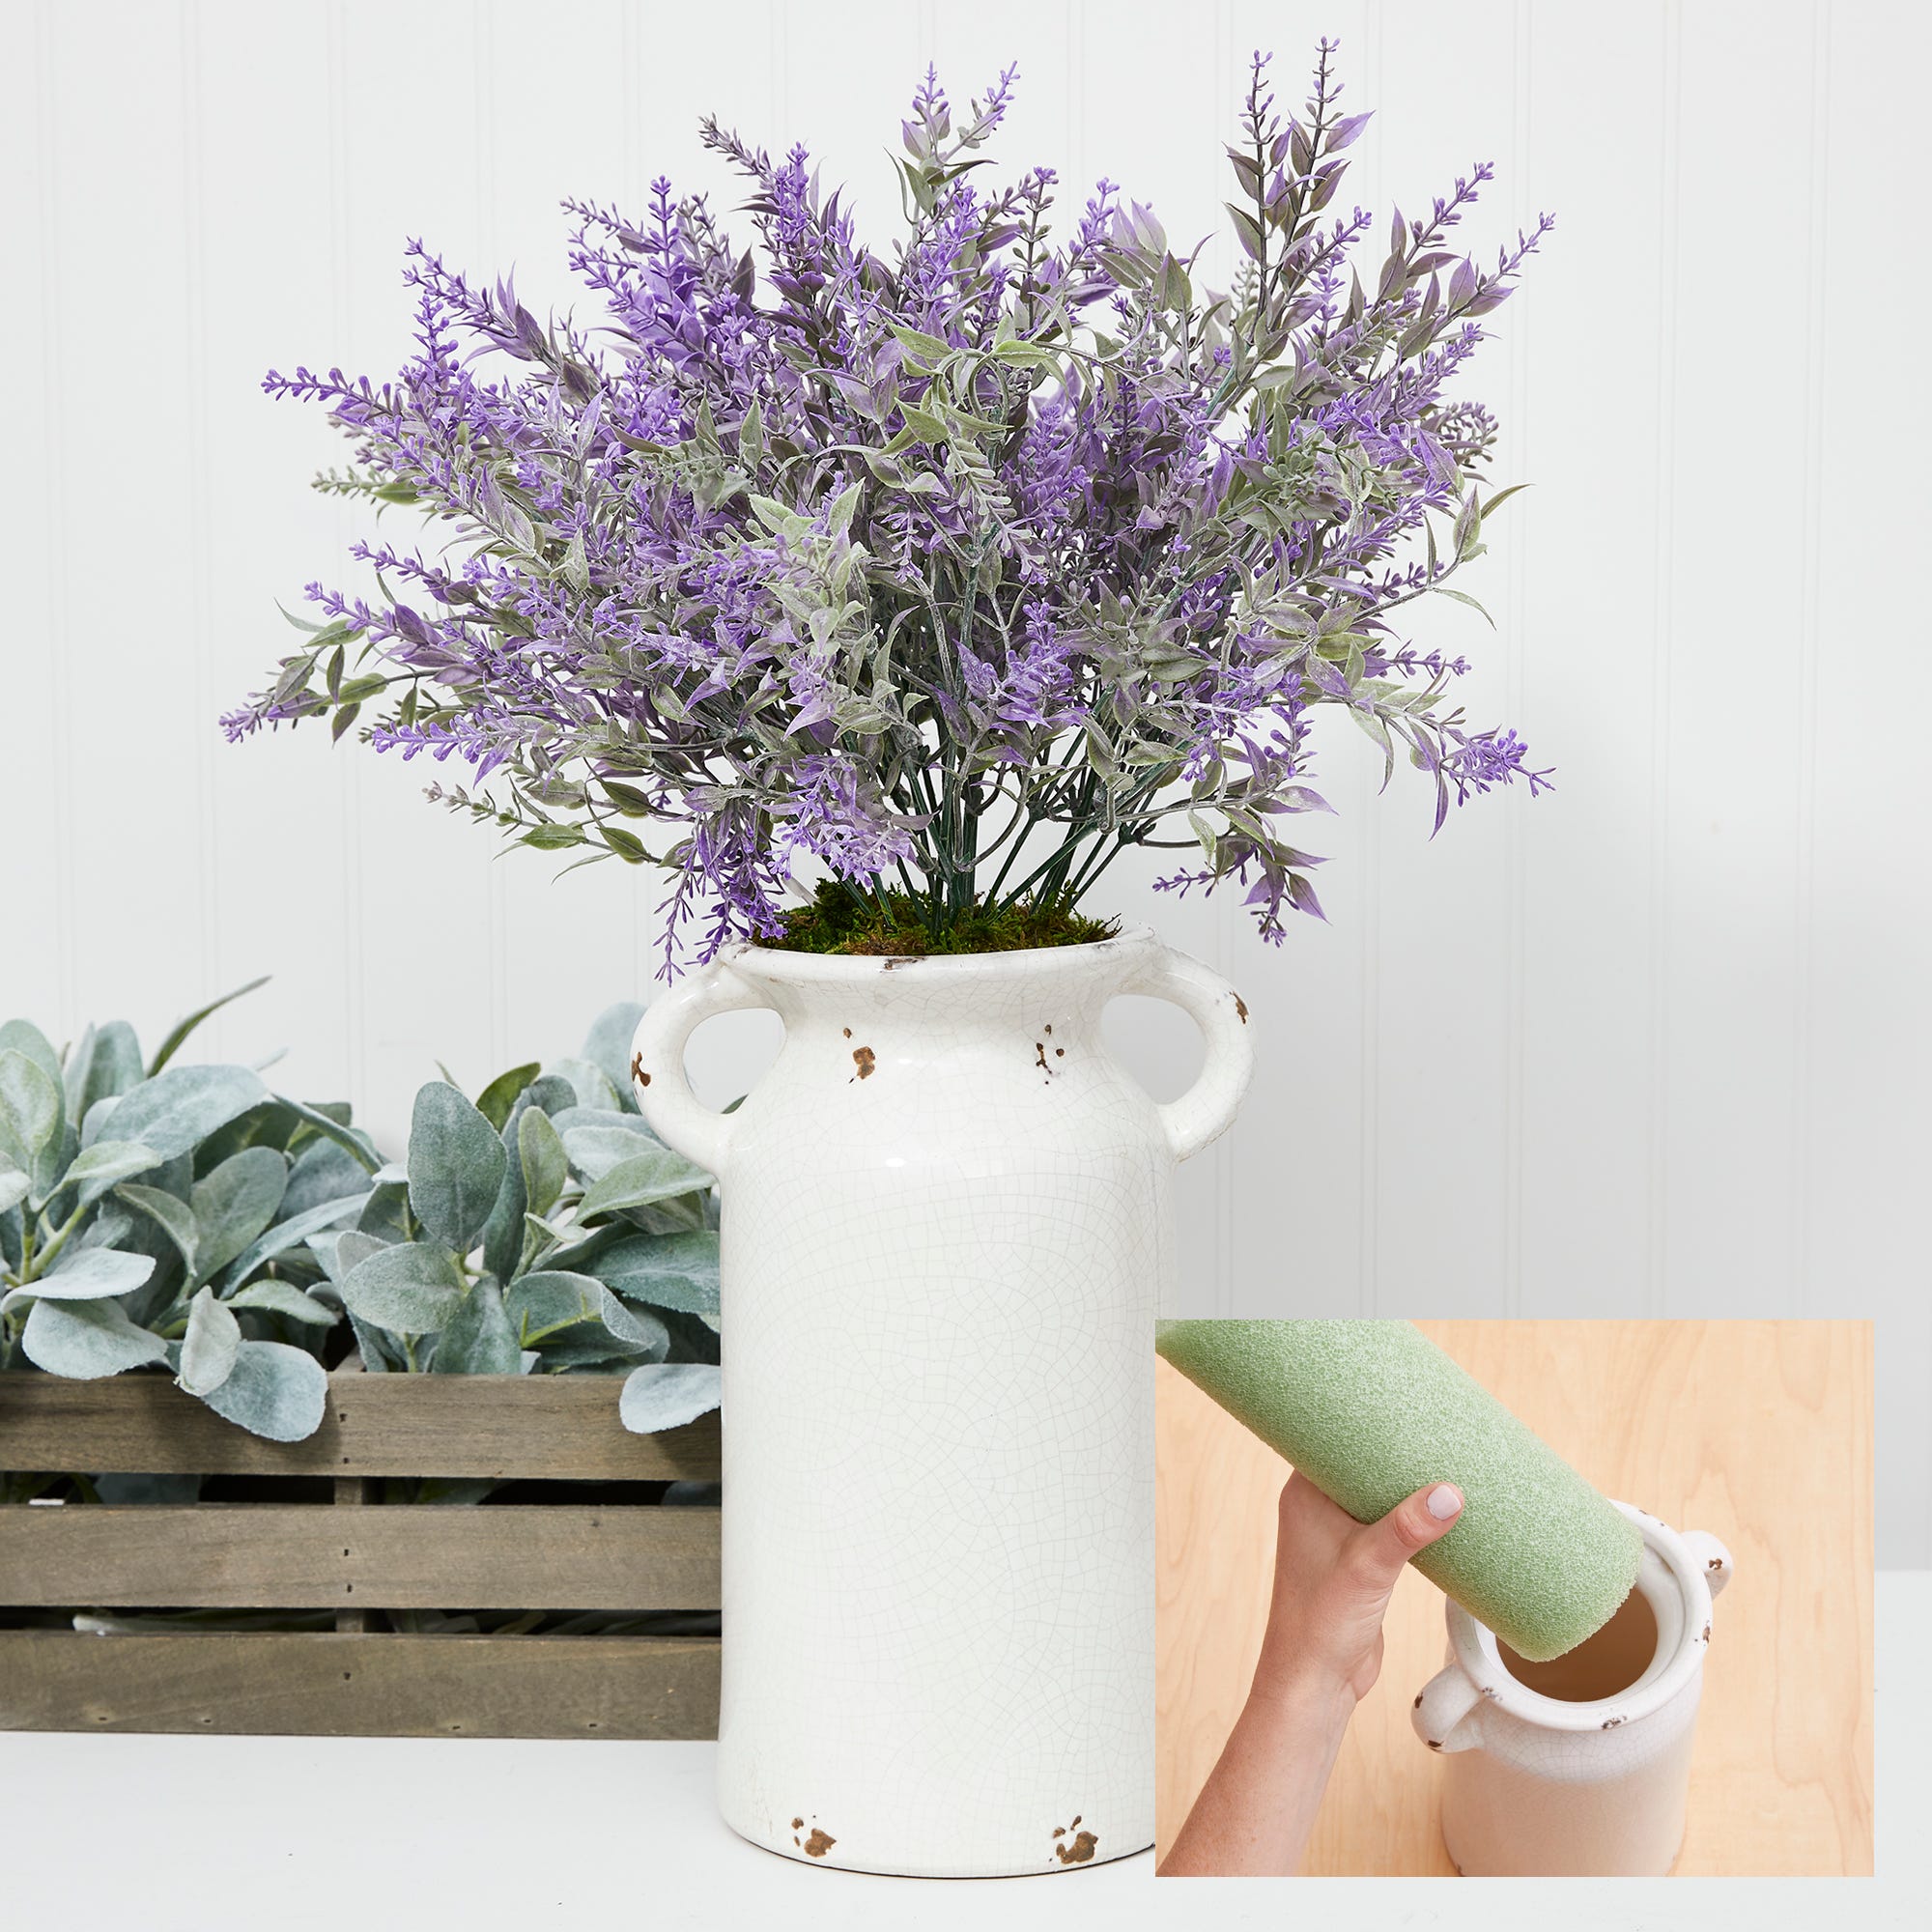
1206 1108
1712 1558
1442 1711
671 1109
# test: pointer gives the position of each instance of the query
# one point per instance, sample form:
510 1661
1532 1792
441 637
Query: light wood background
1759 1432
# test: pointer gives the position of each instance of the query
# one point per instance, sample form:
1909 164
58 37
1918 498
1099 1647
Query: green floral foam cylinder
1371 1411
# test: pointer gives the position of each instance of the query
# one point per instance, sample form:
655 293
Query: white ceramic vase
1579 1768
945 1233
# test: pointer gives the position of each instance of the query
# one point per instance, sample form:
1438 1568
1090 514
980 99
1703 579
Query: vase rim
1476 1648
777 964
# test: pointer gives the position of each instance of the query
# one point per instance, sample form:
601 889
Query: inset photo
1506 1597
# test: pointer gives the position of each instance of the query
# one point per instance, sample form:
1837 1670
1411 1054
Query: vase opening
1601 1666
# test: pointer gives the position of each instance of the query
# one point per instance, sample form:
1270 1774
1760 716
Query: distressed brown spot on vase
1610 1723
1059 1831
1707 1632
1434 1744
1040 1056
798 1824
1079 1850
638 1072
1417 1705
819 1843
1715 1563
1241 1010
848 1033
865 1059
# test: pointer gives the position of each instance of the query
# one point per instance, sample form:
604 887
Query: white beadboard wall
1658 1044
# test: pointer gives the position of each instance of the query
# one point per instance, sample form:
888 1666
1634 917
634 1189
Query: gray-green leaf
667 1270
95 1169
235 1203
657 1174
87 1338
456 1165
545 1164
24 1037
174 1217
285 1234
105 1064
88 1274
665 1395
274 1391
178 1109
15 1187
30 1119
209 1346
412 1288
609 1046
284 1297
478 1339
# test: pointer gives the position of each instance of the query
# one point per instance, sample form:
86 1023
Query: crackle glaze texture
1537 1786
946 1231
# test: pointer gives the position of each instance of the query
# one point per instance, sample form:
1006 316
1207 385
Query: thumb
1425 1517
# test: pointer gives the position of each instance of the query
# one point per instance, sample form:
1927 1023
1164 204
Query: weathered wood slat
313 1557
561 1426
383 1685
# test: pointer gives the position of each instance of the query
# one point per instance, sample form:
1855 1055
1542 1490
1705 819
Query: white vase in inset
1579 1767
945 1233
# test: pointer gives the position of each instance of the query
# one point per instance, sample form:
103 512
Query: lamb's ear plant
187 1218
540 1229
146 1211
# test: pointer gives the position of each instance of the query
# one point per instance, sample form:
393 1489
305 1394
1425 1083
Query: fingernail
1443 1502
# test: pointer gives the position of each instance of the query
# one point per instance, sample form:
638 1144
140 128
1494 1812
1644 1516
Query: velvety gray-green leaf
545 1166
106 1064
274 1391
667 1270
176 1110
95 1169
590 1084
175 1218
608 1047
666 1394
289 1233
181 1028
323 1171
15 1187
235 1203
477 1339
284 1297
30 1119
548 1301
209 1346
496 1099
24 1037
87 1338
86 1274
656 1174
414 1288
456 1165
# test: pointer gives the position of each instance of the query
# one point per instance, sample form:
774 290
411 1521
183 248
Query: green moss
895 925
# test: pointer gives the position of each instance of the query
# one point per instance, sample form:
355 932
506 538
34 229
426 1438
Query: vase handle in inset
1206 1108
671 1109
1712 1558
1441 1713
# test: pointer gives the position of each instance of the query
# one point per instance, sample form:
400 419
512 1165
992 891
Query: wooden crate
356 1556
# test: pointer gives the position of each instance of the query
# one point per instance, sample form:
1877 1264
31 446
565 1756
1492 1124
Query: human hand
1333 1577
1321 1653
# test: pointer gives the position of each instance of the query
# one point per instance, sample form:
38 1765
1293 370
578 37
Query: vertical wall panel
1655 1043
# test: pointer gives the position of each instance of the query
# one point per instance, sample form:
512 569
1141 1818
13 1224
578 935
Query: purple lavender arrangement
950 573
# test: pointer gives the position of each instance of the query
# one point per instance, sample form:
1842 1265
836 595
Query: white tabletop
110 1833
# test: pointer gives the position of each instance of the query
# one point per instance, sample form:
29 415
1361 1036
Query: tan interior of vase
1601 1666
